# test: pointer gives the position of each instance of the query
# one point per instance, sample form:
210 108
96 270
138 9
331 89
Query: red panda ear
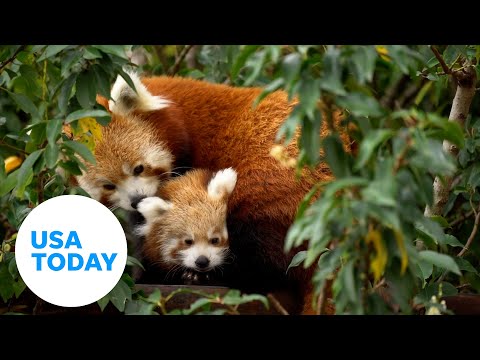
222 184
153 207
104 102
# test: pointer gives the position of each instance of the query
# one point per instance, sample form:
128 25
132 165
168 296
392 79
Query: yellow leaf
383 52
90 124
403 250
87 131
11 163
377 265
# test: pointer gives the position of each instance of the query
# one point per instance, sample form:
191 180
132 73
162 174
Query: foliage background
362 233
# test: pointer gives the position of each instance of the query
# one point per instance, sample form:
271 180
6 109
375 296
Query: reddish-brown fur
223 130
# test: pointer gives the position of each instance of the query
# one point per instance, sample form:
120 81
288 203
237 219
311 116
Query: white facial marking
157 156
222 183
134 186
126 169
125 99
215 254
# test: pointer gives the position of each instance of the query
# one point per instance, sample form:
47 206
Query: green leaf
431 229
68 61
51 155
139 307
23 172
12 268
79 114
452 241
65 93
465 265
18 287
71 166
442 261
332 72
24 103
310 138
336 157
373 139
91 53
297 259
426 268
132 261
127 79
80 149
363 63
241 59
103 302
291 67
117 50
361 105
102 81
349 281
119 295
6 281
86 91
54 128
198 304
274 85
50 51
440 220
9 183
309 93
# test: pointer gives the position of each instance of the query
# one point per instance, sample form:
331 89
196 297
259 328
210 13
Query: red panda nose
202 262
135 200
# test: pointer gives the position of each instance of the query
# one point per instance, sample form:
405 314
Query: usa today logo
71 251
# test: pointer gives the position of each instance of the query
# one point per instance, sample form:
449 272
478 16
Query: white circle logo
71 250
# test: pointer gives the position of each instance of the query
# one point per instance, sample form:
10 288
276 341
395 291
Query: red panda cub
185 229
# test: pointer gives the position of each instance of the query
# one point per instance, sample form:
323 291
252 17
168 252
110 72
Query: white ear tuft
125 99
222 183
152 207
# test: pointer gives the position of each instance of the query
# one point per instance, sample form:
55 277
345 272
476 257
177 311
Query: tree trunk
466 80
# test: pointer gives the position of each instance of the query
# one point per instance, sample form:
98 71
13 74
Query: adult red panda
193 123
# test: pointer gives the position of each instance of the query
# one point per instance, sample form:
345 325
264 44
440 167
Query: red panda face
130 163
189 230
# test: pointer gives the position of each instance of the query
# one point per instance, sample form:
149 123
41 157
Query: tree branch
322 300
466 80
276 304
472 234
439 57
13 57
174 69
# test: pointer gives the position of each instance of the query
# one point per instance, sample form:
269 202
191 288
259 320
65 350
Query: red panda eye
109 187
214 241
138 170
189 242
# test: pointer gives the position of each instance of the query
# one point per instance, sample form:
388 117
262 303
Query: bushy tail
126 100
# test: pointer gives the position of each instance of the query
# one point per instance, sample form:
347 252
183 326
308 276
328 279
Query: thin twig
40 182
13 148
461 218
472 235
9 60
276 304
439 57
174 69
379 285
322 300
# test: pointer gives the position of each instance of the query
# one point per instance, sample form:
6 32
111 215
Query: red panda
185 229
211 126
